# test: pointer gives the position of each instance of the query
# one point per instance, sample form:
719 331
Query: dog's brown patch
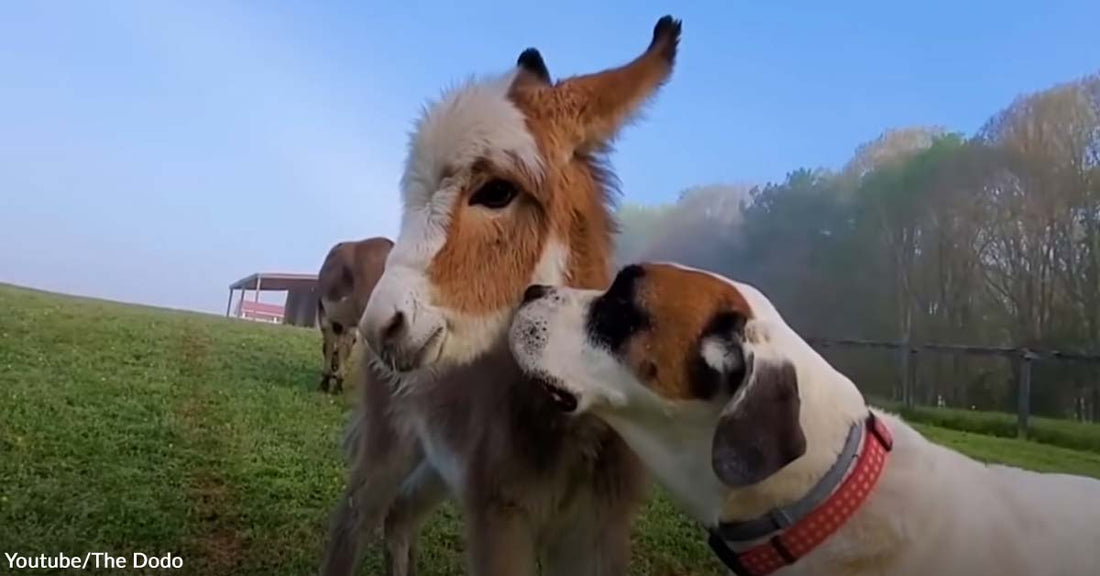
679 304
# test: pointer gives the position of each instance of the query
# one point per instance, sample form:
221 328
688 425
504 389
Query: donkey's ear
599 104
759 433
531 62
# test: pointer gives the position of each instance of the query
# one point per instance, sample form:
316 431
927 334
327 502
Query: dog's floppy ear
759 433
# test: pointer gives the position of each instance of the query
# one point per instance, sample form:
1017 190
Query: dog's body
736 415
505 184
344 285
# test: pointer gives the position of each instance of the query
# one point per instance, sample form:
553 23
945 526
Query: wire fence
912 390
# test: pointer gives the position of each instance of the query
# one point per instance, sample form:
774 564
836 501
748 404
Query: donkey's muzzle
393 330
394 346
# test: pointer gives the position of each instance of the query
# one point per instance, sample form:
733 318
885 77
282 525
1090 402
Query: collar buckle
880 431
781 518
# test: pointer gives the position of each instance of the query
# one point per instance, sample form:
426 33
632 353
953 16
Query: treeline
927 236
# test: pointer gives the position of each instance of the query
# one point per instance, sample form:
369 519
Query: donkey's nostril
534 292
394 328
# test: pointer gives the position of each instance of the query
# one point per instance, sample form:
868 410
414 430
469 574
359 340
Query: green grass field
125 428
1063 433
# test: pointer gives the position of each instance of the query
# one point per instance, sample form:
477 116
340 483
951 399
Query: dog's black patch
725 328
614 316
725 324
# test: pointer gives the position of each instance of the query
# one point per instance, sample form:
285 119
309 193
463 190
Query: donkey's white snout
399 325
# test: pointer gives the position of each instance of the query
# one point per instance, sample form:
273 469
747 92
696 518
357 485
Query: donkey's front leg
371 491
594 542
501 541
421 493
381 459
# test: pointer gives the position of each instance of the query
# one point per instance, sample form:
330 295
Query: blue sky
155 151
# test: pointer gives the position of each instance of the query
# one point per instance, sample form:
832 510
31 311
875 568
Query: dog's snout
534 292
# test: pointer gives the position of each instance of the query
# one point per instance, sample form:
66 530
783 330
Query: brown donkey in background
344 285
505 185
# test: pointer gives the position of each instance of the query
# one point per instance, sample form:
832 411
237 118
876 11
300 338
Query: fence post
903 373
912 378
1023 396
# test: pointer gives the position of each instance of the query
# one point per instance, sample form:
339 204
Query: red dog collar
807 523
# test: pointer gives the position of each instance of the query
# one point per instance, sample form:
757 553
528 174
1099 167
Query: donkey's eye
495 194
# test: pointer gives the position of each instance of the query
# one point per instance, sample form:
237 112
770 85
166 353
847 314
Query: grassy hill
133 429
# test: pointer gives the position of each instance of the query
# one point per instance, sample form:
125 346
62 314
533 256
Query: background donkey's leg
328 341
342 358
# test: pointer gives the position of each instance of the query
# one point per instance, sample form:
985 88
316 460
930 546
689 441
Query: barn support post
259 279
229 303
290 307
1023 396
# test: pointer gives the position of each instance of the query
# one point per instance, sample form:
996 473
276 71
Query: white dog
776 453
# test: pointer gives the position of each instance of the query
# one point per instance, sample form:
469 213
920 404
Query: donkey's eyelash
494 194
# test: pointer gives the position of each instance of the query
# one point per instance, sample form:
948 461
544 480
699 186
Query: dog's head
661 338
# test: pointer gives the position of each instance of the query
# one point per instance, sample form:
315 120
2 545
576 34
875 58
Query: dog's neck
675 445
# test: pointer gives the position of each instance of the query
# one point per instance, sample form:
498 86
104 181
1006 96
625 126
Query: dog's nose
534 292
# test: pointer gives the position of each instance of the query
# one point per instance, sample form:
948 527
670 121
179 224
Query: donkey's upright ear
531 62
758 432
599 104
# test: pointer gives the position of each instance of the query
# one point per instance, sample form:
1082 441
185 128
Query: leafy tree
927 236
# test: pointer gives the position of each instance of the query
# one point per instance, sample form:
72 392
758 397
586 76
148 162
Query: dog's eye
495 194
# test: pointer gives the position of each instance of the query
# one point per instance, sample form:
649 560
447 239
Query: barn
299 308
